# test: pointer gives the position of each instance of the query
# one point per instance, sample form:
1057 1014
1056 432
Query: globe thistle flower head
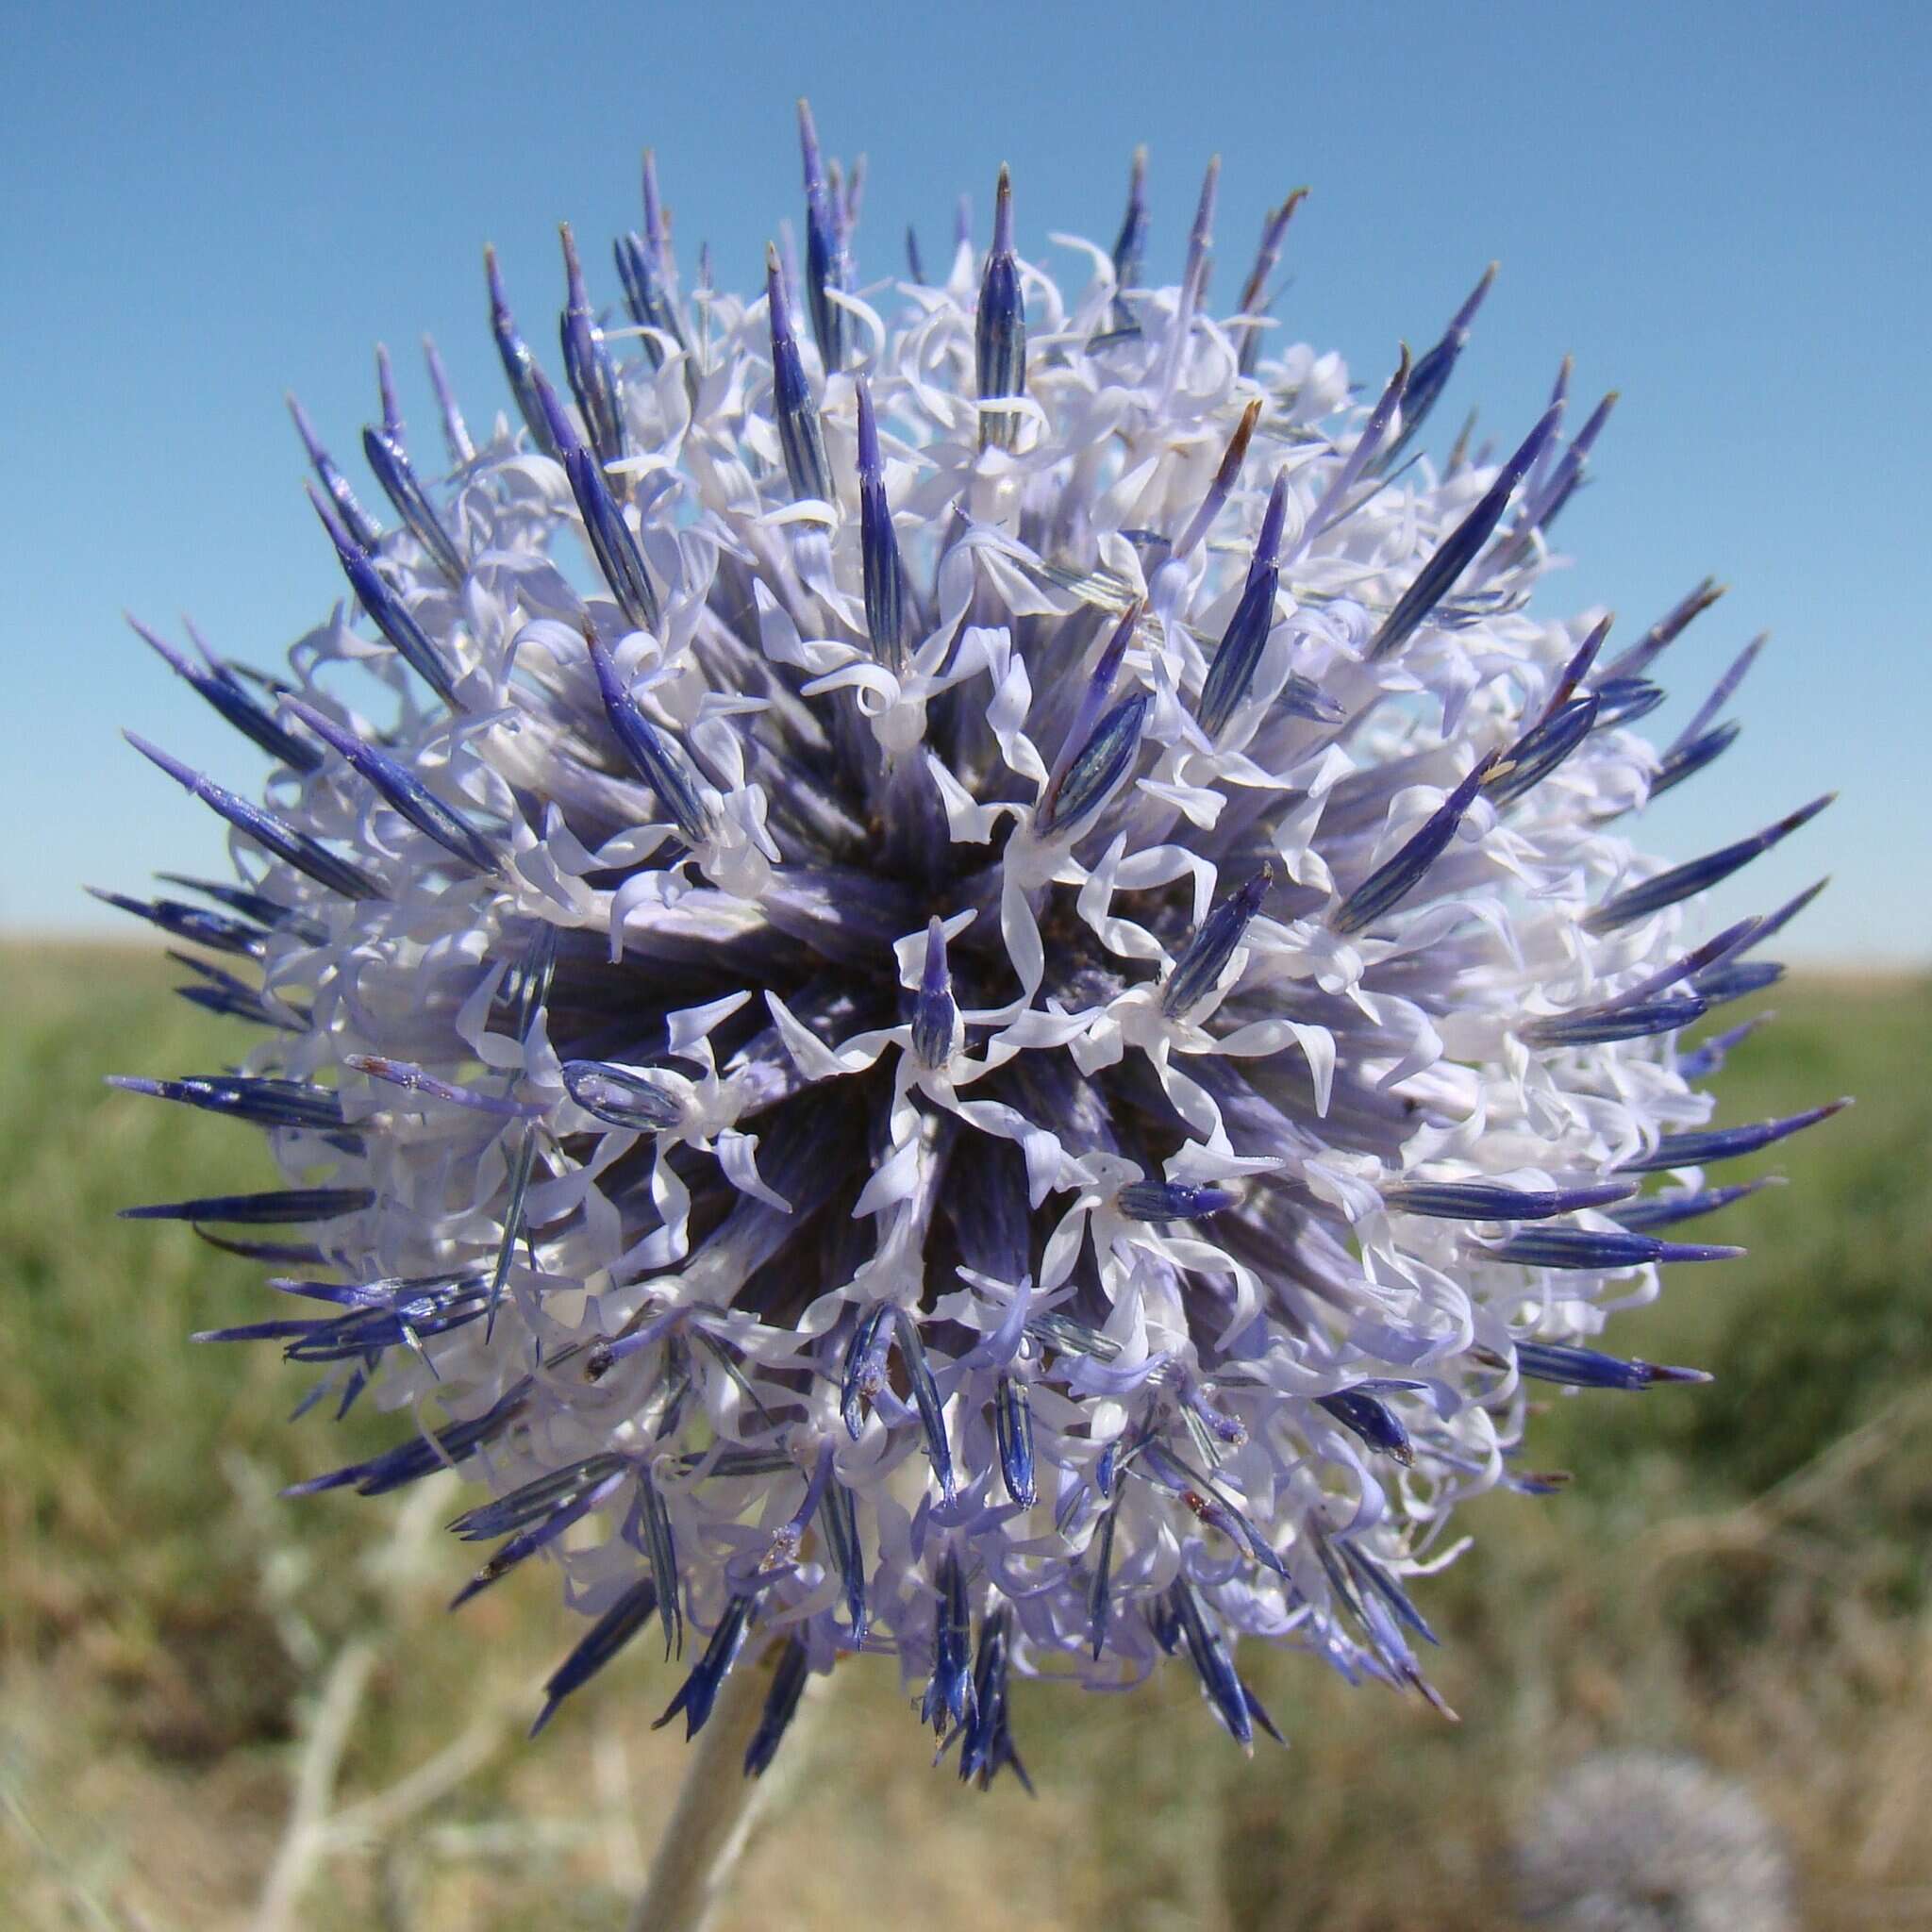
1643 1841
946 968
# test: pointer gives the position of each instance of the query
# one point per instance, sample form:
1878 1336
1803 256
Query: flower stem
717 1807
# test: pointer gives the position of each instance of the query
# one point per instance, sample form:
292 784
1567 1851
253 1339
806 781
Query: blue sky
1717 209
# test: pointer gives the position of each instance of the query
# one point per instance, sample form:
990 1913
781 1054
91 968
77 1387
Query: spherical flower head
1639 1842
948 968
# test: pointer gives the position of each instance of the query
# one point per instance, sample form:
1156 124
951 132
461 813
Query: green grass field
217 1708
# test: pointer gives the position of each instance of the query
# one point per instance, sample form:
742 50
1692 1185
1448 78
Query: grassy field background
221 1709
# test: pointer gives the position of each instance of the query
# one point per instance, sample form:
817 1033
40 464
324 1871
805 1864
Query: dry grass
225 1710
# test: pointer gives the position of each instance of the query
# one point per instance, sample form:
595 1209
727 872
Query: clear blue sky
1719 208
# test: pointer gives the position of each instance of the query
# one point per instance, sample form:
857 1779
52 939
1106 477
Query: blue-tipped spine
801 435
196 925
274 833
1433 370
1255 293
625 1617
1459 550
1393 881
1012 1418
403 791
934 1032
1540 750
519 364
1130 244
825 254
234 703
999 329
1238 653
886 595
699 1691
1699 875
1585 1368
788 1679
987 1738
1685 760
587 364
1701 1148
382 447
388 611
264 1102
1666 631
1494 1200
655 756
1594 1248
1199 970
1173 1201
1097 768
366 531
456 432
1666 1210
255 906
949 1695
618 558
272 1207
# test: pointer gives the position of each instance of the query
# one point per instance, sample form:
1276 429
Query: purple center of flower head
945 967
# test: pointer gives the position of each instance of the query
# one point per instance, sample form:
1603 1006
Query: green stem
717 1807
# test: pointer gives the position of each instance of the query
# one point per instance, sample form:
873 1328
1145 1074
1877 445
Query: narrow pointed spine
1361 460
272 1207
1684 881
824 256
1666 1210
232 701
1540 750
389 461
1393 882
1199 970
1012 1412
1493 1201
628 1614
1130 244
275 834
1227 475
1000 328
658 759
1435 367
1701 1148
587 364
405 793
388 611
456 432
1238 653
1666 631
366 531
1255 295
886 595
263 1102
1685 760
1459 550
800 433
519 364
1585 1368
1098 768
1600 1248
935 1015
